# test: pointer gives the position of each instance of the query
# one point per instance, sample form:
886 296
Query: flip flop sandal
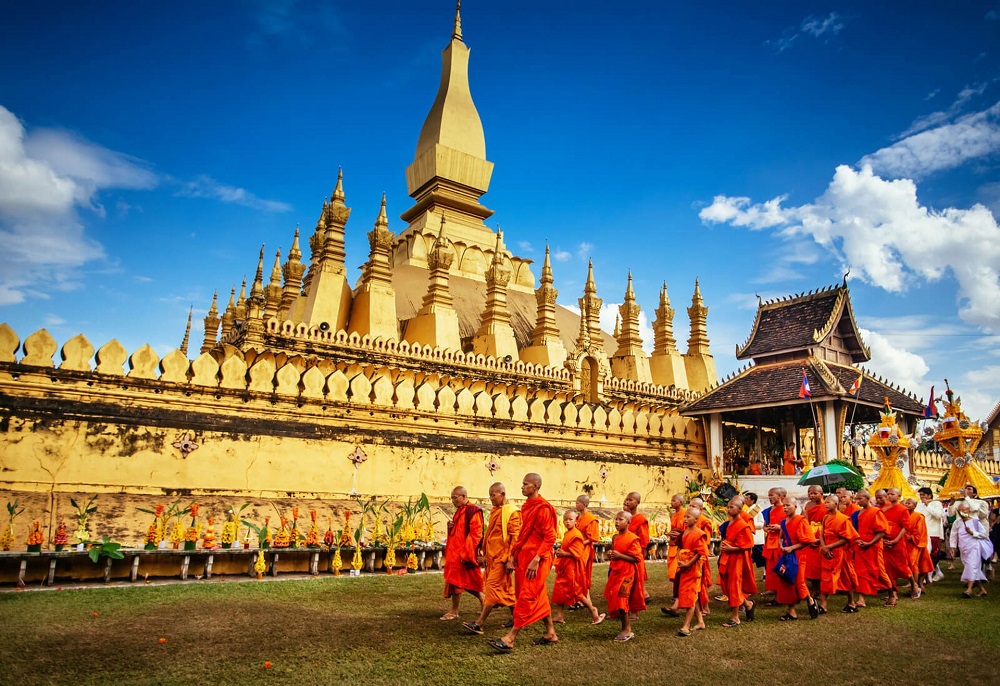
751 612
730 624
787 618
600 618
621 638
499 646
683 634
670 612
542 641
813 609
473 627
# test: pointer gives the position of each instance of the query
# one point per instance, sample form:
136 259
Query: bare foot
448 616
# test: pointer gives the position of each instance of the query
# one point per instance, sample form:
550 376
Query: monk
814 512
531 560
869 564
790 463
897 552
692 547
736 572
921 563
880 501
677 527
571 565
706 525
796 537
590 527
461 554
638 525
501 532
623 593
847 504
773 516
837 570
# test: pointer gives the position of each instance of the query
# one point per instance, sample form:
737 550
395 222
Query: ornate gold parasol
891 446
960 437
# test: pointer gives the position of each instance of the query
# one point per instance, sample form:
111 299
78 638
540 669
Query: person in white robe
972 541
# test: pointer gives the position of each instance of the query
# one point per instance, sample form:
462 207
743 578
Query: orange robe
897 557
814 515
693 541
788 462
623 591
498 583
799 531
569 586
920 558
639 526
538 535
736 572
676 524
591 529
851 509
705 524
772 547
461 563
838 572
869 564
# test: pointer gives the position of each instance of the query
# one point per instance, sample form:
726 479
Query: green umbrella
826 474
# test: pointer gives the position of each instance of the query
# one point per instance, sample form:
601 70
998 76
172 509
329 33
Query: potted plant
60 537
83 513
35 540
7 537
193 531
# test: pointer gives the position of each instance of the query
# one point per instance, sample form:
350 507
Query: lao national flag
804 392
931 410
856 386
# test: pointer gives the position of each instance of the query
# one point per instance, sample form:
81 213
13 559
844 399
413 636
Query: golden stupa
891 446
960 437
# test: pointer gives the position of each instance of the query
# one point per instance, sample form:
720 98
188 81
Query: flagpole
854 411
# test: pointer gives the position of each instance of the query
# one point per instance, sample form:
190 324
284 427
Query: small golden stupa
960 437
891 446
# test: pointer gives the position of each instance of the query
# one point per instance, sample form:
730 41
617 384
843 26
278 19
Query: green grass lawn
379 629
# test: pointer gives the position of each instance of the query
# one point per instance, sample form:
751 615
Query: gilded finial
213 311
590 286
232 297
441 232
456 34
629 293
276 269
338 191
383 219
295 253
187 333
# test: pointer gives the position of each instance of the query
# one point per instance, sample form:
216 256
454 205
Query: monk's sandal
473 627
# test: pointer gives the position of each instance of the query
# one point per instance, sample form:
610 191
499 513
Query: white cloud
939 146
526 246
584 250
904 368
561 255
817 27
610 313
881 232
207 187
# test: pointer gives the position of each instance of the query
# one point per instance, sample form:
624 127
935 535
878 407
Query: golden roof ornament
890 447
960 437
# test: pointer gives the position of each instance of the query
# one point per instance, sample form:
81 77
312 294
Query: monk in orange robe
869 564
501 532
796 537
571 565
590 527
773 516
638 525
814 511
531 560
838 573
692 546
676 529
921 563
461 554
897 551
623 592
736 572
789 461
847 504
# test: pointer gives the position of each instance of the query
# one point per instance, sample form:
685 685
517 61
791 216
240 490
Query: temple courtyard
379 629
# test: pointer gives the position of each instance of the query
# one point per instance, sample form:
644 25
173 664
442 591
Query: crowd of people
860 544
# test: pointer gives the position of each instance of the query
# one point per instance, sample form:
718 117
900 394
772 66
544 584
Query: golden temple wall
272 428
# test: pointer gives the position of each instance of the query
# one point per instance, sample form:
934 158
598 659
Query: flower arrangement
83 513
345 536
328 537
260 566
7 537
281 539
411 563
194 531
60 538
161 527
337 562
312 538
177 534
35 539
154 534
208 540
293 536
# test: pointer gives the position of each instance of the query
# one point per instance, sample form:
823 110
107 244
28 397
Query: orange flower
295 513
94 613
267 665
159 510
163 640
194 509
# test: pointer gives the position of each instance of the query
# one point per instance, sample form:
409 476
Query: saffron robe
851 509
639 526
569 586
837 572
676 524
772 547
814 515
501 532
538 535
705 524
461 563
799 531
920 557
590 527
897 557
693 541
624 592
736 572
869 564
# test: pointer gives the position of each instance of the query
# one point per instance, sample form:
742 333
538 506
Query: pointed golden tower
328 295
630 360
292 272
436 323
241 304
546 347
590 310
450 173
228 317
374 310
254 326
698 361
187 333
666 364
272 292
495 336
212 322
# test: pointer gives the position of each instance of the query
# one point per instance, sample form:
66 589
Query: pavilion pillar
713 442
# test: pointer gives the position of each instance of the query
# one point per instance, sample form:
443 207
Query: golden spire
663 325
628 336
295 253
241 302
338 191
456 34
212 322
590 309
698 313
546 331
380 244
257 289
292 272
272 293
229 316
547 268
187 333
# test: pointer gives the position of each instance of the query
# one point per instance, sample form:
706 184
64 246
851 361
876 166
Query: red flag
856 386
931 410
804 391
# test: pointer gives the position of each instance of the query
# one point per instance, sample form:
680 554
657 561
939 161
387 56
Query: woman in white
972 540
933 512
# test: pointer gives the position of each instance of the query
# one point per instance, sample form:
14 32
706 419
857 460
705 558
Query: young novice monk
692 549
571 569
624 592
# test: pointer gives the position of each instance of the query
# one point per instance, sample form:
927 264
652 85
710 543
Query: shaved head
498 488
636 496
698 502
583 499
533 478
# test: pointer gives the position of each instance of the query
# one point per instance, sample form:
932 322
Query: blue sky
148 149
